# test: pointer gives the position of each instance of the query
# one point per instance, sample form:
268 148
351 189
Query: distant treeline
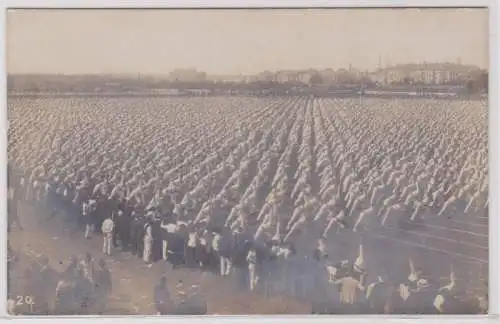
121 84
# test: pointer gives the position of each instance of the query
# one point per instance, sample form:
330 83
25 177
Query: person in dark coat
124 234
421 301
134 232
60 199
117 218
176 247
377 296
72 207
77 202
162 298
394 303
102 212
60 203
51 197
19 184
12 210
138 234
157 240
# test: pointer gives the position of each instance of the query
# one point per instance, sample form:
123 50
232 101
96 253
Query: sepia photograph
247 161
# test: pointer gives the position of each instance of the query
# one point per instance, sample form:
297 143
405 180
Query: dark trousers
161 308
204 256
136 243
124 235
190 256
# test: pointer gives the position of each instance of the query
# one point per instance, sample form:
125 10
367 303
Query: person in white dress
107 229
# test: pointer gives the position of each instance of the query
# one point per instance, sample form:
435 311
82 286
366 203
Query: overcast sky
240 41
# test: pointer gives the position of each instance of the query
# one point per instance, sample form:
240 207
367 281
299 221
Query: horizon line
138 73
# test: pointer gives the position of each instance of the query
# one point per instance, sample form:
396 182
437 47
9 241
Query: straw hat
422 283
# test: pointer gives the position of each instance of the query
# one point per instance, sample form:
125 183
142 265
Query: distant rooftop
432 66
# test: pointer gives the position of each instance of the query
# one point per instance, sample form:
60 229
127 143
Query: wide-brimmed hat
422 283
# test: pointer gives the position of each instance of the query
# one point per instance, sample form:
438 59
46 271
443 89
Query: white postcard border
494 155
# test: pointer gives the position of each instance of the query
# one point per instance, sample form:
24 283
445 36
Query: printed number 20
24 300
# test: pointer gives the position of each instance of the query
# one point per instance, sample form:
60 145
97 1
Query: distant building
266 76
187 75
228 78
426 73
378 77
306 76
355 73
298 76
328 76
252 78
343 76
285 76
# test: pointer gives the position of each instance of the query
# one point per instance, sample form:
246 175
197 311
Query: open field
402 178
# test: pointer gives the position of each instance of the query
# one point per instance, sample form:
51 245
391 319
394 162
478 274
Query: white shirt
404 291
216 242
85 208
321 246
170 228
206 239
148 237
193 239
107 226
359 264
252 257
